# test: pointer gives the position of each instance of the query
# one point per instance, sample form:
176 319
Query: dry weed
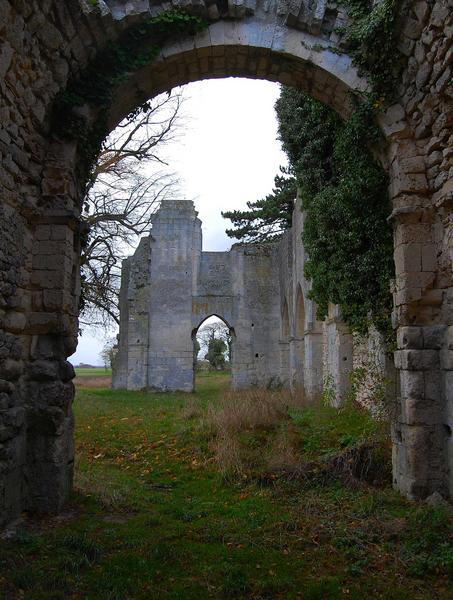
284 449
251 410
228 455
102 381
238 424
192 410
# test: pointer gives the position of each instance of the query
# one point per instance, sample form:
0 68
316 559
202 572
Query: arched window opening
213 348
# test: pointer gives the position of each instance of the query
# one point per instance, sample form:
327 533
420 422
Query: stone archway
43 49
228 336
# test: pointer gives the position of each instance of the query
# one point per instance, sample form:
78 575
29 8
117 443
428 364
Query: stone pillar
447 365
120 364
419 436
48 388
313 380
338 358
296 363
284 363
175 258
420 430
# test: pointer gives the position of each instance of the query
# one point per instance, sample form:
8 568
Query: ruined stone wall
256 349
169 287
421 170
39 45
374 376
46 43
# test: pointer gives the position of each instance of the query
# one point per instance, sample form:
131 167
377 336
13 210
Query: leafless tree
127 184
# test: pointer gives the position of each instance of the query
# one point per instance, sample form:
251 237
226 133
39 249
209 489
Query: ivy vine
344 195
371 41
97 84
343 188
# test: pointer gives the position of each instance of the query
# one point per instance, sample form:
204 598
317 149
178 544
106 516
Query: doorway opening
213 350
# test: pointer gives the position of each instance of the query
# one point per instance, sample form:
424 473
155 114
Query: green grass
153 518
96 372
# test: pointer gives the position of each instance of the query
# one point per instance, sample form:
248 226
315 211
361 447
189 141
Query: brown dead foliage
253 436
93 382
368 463
252 429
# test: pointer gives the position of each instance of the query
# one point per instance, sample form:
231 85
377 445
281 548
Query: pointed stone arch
229 342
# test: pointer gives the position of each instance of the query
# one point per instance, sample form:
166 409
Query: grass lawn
95 372
153 517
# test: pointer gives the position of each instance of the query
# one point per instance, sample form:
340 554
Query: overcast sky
227 155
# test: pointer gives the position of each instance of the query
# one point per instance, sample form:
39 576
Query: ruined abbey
51 112
170 286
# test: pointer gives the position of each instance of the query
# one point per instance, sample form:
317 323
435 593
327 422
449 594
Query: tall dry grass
252 430
253 436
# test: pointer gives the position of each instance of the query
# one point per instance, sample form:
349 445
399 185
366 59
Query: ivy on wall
344 189
97 84
344 195
371 41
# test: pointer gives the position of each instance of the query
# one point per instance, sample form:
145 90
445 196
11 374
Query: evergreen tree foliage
265 219
343 190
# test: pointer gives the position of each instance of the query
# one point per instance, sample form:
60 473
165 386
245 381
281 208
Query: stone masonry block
449 337
446 359
418 411
407 296
412 384
410 337
417 360
433 387
408 257
432 298
433 336
413 233
429 257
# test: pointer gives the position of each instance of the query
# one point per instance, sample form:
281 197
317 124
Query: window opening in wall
213 350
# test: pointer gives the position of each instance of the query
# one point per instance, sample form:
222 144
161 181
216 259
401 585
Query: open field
204 496
93 378
95 372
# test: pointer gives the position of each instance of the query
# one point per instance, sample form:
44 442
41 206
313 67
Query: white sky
227 155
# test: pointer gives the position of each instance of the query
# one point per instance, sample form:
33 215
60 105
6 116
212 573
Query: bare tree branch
127 185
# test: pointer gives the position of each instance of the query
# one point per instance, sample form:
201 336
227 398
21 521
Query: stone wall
45 44
170 286
421 172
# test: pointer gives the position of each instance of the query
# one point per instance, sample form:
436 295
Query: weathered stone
433 337
410 337
41 370
436 499
417 360
47 44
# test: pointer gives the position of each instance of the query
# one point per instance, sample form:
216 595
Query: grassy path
152 517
